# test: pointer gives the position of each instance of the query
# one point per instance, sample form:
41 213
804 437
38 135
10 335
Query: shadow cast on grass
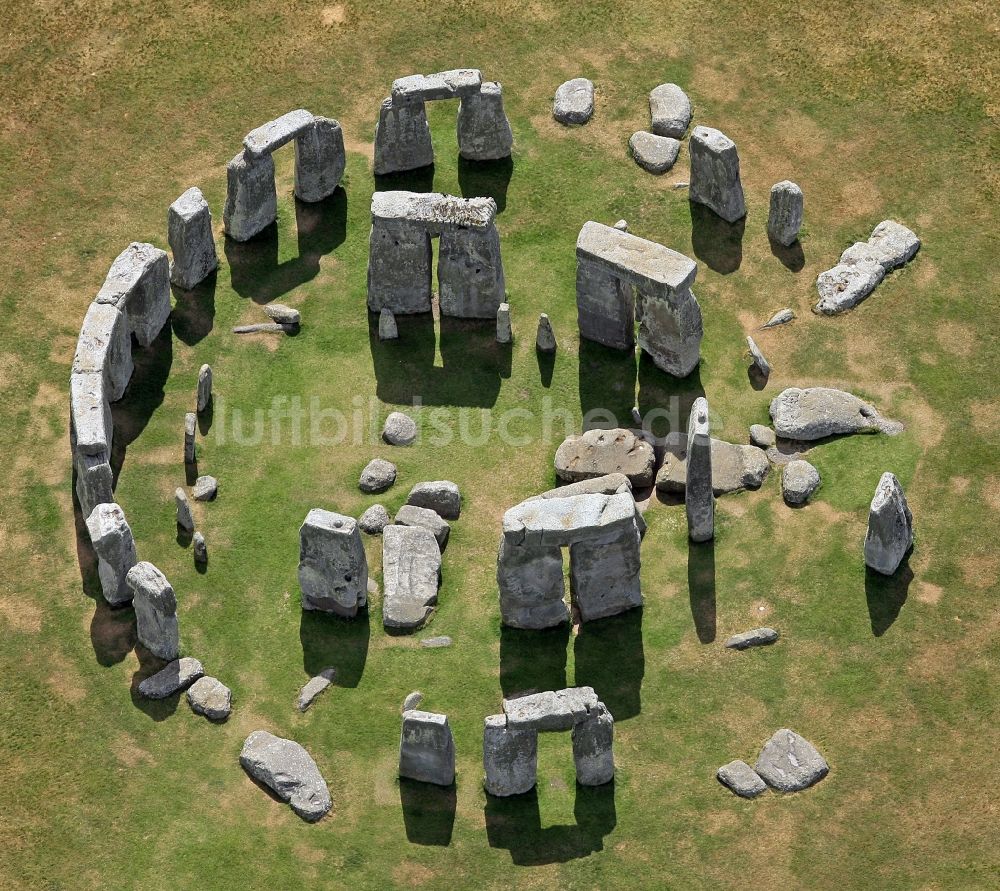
609 657
419 180
607 382
428 812
701 588
665 401
886 595
157 709
486 179
193 315
791 257
718 244
332 641
533 660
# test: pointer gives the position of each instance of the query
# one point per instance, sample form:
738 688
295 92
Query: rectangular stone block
434 210
105 347
484 132
320 160
138 284
470 273
90 414
605 306
251 198
604 575
427 748
189 232
593 748
411 573
399 267
550 710
402 138
274 134
670 330
442 85
715 174
510 758
155 610
333 567
555 522
115 548
94 481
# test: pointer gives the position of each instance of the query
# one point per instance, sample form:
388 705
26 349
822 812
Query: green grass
111 113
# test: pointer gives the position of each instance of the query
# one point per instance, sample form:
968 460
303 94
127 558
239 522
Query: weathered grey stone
670 110
741 779
333 568
756 637
593 748
551 710
436 643
205 488
597 453
621 226
399 266
760 363
274 134
176 676
283 315
455 84
90 414
287 769
890 527
190 432
799 480
105 347
210 697
189 233
846 285
781 317
784 217
609 484
504 332
387 327
374 520
265 328
605 305
402 138
699 501
115 548
510 758
251 198
138 284
185 519
818 412
399 429
411 572
484 132
442 496
574 102
426 748
204 387
762 437
545 337
890 245
411 515
789 763
734 468
655 154
199 548
320 159
155 610
94 480
715 174
470 273
313 687
377 476
412 701
531 585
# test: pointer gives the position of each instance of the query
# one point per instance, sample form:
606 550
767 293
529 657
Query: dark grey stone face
715 174
189 232
426 748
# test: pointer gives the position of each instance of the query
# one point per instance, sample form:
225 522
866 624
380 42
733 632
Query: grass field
111 111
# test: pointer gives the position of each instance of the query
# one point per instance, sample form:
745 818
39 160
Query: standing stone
654 154
105 347
593 748
789 763
319 159
200 548
210 697
759 362
155 610
287 769
532 586
574 102
251 198
387 328
545 339
374 520
741 779
411 573
377 476
410 515
799 480
189 232
442 496
890 527
399 429
94 480
484 132
333 568
176 676
785 217
470 270
510 758
115 548
715 174
399 265
204 387
670 111
185 519
699 502
90 414
402 137
426 748
138 284
504 332
190 430
314 686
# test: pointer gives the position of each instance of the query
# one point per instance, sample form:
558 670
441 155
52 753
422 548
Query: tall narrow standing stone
504 332
115 548
785 217
155 610
319 159
715 174
510 758
204 387
698 499
545 340
185 519
190 429
189 231
402 137
484 132
890 527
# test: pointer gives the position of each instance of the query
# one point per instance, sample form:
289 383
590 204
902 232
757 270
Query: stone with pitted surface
734 468
715 174
504 331
785 213
204 387
890 527
402 137
609 484
741 779
593 748
484 133
597 453
545 337
374 520
205 488
846 285
399 429
377 476
90 414
890 245
455 84
210 697
320 159
818 412
550 710
274 134
789 763
333 568
411 573
115 548
288 770
670 110
433 210
283 315
251 198
138 284
574 102
105 347
799 480
155 610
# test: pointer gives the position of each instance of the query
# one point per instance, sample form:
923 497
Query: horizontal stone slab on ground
741 779
818 412
289 771
175 677
411 573
574 101
789 763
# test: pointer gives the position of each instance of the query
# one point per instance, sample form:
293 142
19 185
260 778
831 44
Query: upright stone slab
484 132
669 110
470 272
90 414
505 333
785 215
185 519
604 574
593 748
190 433
426 748
155 610
204 387
605 305
115 548
510 758
189 232
715 174
251 198
105 347
138 284
545 337
94 480
890 527
333 568
699 501
402 137
411 573
399 260
320 159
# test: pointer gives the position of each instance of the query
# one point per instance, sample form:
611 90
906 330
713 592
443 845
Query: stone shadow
609 657
701 588
533 660
546 367
514 823
193 314
791 257
757 379
607 381
665 401
485 179
329 640
886 595
157 709
419 180
718 244
254 268
428 812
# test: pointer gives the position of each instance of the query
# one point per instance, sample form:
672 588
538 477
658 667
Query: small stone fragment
762 437
434 643
204 387
789 763
412 701
655 154
741 779
314 686
387 328
185 519
785 216
545 339
890 527
781 317
760 363
377 476
621 226
205 488
176 676
190 429
504 332
411 515
757 637
287 768
574 102
208 696
799 480
441 496
200 548
374 520
670 111
283 315
399 429
266 328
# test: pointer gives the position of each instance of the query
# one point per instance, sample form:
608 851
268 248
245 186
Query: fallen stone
426 748
890 245
387 328
670 111
758 637
155 610
741 779
411 573
266 328
597 453
484 133
399 429
208 696
760 363
199 548
283 315
411 515
846 285
313 687
574 102
890 527
287 769
204 387
374 520
441 496
436 643
504 332
176 676
655 154
377 476
799 480
205 488
545 338
785 215
789 763
818 412
189 233
412 701
762 437
190 432
333 567
550 710
715 174
114 545
734 468
781 317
